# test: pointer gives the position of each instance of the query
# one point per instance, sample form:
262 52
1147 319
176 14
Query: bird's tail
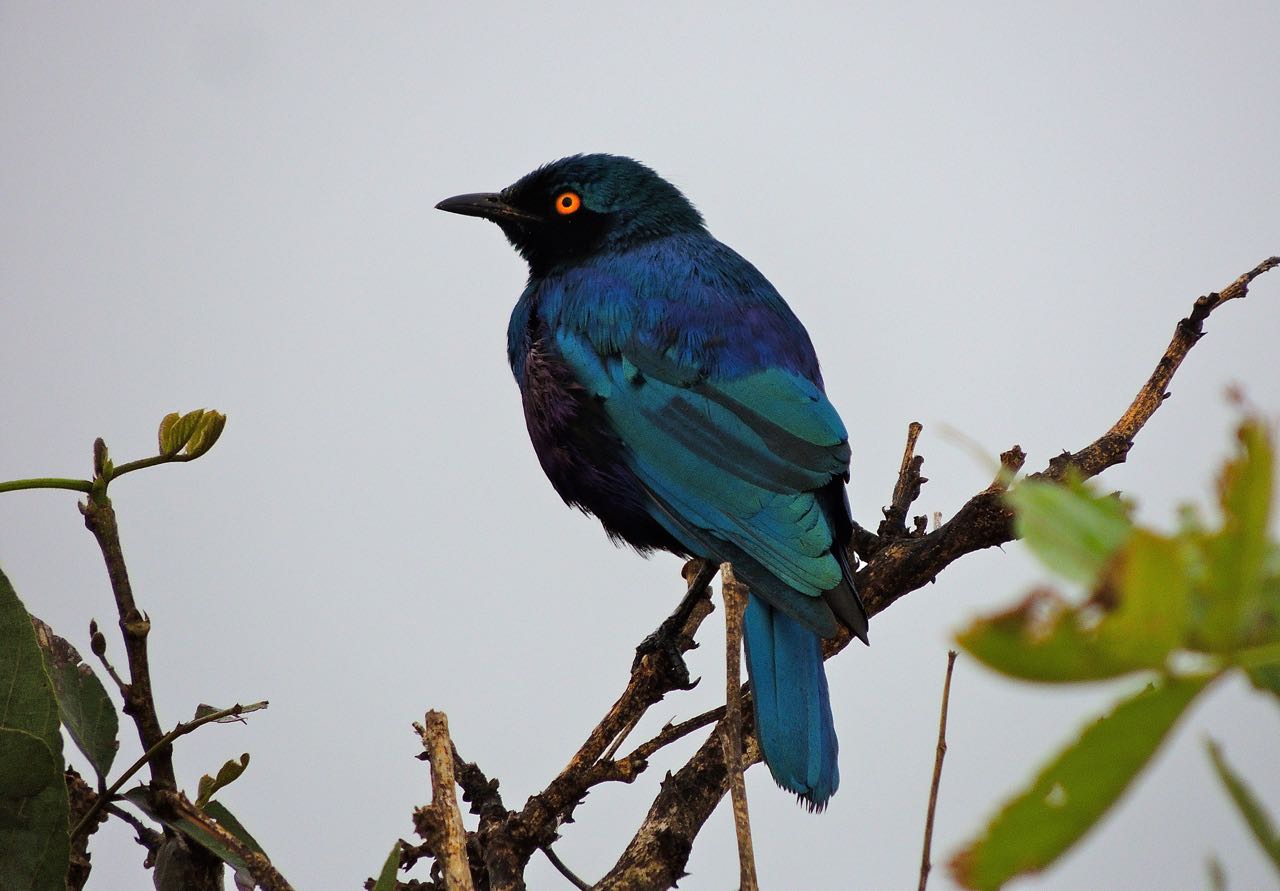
792 705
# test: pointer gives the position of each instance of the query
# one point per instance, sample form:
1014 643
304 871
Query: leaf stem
143 463
46 483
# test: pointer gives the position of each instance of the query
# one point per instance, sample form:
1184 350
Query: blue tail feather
792 704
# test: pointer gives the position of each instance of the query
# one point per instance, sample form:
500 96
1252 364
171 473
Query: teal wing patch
736 461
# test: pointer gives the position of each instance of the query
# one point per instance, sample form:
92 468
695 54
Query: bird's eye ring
568 203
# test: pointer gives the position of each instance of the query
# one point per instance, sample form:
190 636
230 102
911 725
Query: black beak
489 205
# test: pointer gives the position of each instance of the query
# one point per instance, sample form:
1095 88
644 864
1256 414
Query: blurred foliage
1173 611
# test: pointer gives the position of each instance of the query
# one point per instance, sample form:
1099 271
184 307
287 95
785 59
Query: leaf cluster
1172 611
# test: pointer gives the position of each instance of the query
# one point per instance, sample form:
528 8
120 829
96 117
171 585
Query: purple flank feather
581 457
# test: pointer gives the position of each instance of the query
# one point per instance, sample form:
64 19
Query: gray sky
989 215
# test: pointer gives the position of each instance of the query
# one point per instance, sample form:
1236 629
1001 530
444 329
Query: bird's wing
734 466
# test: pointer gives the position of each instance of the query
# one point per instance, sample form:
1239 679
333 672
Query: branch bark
100 519
440 823
735 603
940 753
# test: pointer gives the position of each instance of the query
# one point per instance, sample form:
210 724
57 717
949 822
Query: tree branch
100 519
905 491
658 852
440 823
940 753
898 560
735 602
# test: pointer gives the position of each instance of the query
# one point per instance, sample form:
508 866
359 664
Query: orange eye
567 203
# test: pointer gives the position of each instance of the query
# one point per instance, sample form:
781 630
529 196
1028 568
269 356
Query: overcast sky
990 216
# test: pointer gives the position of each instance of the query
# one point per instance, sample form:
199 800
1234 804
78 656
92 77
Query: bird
671 392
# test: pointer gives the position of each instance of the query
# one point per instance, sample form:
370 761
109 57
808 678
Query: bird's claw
664 649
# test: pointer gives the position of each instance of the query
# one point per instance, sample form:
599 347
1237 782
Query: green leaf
219 812
1136 617
27 764
1266 678
215 809
167 434
1147 600
227 774
1245 492
1238 555
206 433
1073 531
1075 789
387 878
202 826
83 704
176 430
1247 803
33 792
1045 639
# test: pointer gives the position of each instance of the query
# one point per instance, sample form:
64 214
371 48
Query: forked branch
898 560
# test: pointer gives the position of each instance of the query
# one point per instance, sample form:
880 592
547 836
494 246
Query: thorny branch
898 560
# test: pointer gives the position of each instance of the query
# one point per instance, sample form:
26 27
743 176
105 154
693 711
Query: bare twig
925 863
735 602
1011 462
984 521
673 732
564 870
450 845
147 837
906 490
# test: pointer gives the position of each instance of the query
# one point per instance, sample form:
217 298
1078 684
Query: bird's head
570 209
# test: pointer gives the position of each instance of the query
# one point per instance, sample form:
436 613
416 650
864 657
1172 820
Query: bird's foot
667 645
665 648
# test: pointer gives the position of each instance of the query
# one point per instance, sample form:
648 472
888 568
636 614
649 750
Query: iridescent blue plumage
670 391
